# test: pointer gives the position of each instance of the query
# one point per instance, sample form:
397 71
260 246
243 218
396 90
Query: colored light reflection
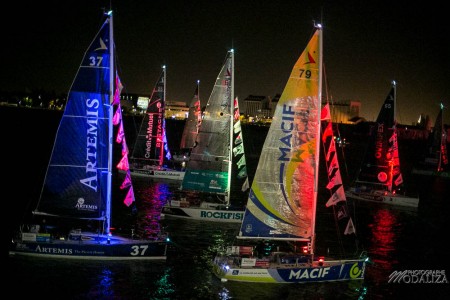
384 238
153 198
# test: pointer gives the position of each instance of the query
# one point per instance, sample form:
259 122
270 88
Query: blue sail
77 176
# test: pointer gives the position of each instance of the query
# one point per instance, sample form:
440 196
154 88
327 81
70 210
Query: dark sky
366 46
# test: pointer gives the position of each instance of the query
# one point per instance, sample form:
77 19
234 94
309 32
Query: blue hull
101 249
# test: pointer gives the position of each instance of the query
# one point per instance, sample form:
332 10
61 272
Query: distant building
262 107
137 104
346 112
176 110
253 105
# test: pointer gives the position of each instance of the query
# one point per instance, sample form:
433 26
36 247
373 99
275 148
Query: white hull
211 212
379 197
430 172
157 174
268 270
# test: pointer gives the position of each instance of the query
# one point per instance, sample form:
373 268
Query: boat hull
158 174
203 214
444 174
398 200
329 271
98 248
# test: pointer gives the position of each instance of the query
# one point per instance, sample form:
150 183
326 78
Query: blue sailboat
76 195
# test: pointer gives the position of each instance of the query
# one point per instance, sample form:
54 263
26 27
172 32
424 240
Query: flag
246 185
350 227
166 145
242 173
117 115
120 133
124 147
123 164
238 140
129 198
333 165
338 195
241 162
127 181
239 149
325 113
341 212
327 133
118 90
237 128
331 149
236 109
399 180
336 180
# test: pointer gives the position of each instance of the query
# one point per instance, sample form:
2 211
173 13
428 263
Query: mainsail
78 179
193 122
282 199
382 164
217 161
210 159
151 148
438 148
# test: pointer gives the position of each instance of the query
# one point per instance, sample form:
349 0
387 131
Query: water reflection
150 199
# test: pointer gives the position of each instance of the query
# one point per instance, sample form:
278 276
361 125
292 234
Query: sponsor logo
221 215
309 273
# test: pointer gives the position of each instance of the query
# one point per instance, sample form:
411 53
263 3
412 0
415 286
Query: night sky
366 46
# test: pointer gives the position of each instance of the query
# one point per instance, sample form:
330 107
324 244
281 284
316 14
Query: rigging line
329 98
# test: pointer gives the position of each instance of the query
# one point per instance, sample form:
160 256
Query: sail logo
148 144
91 181
287 126
81 206
379 142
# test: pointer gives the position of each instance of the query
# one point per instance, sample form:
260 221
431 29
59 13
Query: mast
318 141
199 115
110 124
163 115
230 145
394 129
442 139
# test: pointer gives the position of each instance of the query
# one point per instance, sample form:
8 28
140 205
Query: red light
305 249
321 261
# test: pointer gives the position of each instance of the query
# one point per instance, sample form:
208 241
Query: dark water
396 239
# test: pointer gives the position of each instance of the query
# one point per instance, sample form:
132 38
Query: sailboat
276 241
151 154
436 160
217 159
380 178
191 127
74 208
